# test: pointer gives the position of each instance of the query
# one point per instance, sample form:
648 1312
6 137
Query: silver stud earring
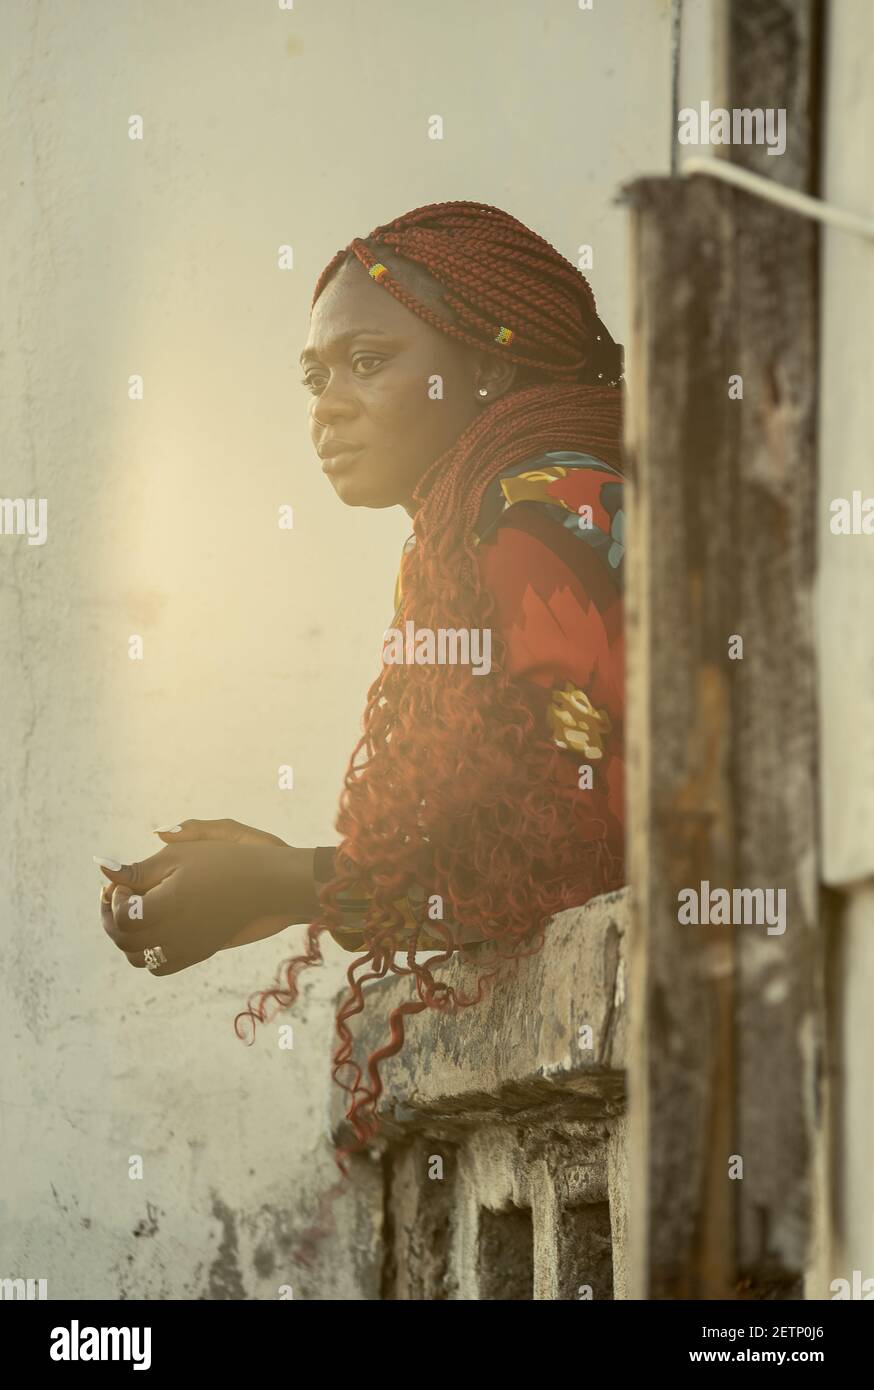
483 391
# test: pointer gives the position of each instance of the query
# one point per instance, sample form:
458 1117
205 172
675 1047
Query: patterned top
551 534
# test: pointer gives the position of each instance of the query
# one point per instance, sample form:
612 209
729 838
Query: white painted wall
846 563
262 126
846 608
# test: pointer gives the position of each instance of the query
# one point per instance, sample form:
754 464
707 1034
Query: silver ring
154 956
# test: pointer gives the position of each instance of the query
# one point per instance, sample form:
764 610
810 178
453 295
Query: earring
483 391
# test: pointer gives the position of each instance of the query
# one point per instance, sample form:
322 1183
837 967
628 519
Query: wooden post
727 1048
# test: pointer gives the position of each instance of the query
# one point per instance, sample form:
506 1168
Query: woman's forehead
352 292
352 302
413 277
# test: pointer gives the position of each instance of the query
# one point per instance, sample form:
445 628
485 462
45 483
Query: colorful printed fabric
579 492
551 538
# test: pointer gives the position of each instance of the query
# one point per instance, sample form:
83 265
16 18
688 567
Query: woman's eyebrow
310 354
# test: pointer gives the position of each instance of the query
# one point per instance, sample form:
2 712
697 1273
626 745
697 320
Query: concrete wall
262 126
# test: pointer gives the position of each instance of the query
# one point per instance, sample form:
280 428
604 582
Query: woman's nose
333 403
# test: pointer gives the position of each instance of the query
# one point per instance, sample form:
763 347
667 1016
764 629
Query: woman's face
369 363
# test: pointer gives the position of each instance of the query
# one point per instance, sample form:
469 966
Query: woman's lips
340 461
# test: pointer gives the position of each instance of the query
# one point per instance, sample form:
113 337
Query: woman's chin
360 492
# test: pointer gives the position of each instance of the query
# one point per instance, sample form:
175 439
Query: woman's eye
363 365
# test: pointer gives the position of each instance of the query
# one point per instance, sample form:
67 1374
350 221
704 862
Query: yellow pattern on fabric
575 723
534 487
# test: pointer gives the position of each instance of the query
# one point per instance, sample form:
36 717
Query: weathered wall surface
261 127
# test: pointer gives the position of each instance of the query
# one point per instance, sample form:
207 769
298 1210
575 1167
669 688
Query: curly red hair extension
453 787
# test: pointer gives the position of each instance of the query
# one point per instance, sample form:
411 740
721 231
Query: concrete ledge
522 1047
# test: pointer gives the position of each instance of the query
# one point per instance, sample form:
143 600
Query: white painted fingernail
111 864
166 829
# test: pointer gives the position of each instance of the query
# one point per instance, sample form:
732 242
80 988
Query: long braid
511 430
452 784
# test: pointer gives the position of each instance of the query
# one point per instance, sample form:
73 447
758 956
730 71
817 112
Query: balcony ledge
519 1050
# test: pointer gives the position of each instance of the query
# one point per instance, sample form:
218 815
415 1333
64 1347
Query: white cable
801 203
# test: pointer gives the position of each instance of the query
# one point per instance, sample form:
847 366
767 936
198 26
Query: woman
458 368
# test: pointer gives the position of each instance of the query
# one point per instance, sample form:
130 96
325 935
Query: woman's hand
237 833
225 829
217 884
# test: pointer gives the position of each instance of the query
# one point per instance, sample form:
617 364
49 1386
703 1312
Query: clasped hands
214 885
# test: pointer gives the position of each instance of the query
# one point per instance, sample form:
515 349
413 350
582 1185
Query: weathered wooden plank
774 61
721 751
726 1049
680 446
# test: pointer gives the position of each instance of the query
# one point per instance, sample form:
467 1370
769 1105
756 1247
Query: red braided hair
452 788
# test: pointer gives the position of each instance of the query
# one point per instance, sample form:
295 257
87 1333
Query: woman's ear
492 378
